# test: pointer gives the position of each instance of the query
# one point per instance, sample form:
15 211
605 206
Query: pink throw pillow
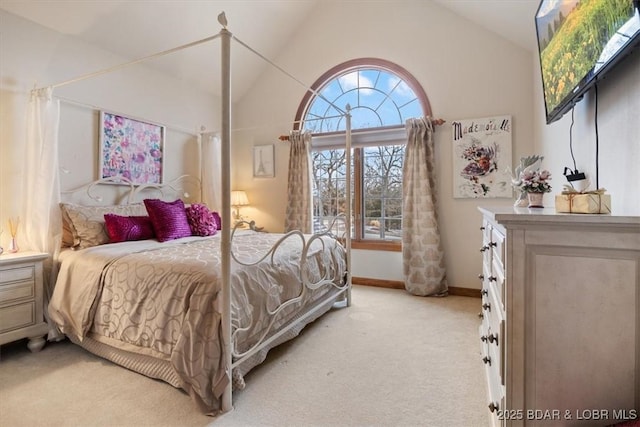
201 220
169 219
126 228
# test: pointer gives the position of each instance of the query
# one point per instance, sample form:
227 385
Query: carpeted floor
391 359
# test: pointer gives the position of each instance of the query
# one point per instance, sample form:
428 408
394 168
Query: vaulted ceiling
138 28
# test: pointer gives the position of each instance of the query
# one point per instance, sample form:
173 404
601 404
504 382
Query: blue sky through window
377 98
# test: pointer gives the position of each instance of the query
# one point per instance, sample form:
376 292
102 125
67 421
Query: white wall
618 121
466 71
32 55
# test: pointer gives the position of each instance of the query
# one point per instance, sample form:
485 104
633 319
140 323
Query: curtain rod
437 122
136 61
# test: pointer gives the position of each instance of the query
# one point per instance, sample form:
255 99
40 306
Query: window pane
329 183
382 191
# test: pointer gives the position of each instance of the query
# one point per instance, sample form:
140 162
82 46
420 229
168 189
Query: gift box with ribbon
586 202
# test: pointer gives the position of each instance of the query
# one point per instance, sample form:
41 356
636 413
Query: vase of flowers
527 163
535 183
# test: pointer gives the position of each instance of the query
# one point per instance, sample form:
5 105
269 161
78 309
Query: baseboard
396 284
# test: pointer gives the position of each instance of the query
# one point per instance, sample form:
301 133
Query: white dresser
21 299
560 330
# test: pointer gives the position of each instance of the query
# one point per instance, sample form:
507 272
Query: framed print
131 148
263 161
482 157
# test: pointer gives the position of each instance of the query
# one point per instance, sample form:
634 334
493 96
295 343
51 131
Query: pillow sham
86 223
127 228
169 219
201 220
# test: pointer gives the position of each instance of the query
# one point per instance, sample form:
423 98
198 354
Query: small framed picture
131 148
263 161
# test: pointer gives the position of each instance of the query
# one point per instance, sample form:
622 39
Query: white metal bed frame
234 358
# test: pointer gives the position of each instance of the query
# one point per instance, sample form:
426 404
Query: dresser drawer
17 274
497 247
17 316
16 291
497 283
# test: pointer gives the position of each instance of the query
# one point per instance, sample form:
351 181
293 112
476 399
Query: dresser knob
487 360
493 244
481 276
493 407
481 315
486 306
483 338
482 228
493 338
493 279
484 292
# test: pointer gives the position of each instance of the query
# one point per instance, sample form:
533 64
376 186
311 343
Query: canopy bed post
226 210
348 196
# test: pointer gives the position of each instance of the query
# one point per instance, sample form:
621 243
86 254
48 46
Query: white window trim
360 138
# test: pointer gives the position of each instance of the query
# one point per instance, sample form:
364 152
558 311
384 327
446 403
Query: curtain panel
299 214
422 255
41 214
211 170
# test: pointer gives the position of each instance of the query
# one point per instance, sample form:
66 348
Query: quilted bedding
162 300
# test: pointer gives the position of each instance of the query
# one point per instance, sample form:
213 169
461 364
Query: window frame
385 135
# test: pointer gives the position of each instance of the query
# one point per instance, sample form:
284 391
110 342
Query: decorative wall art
131 148
263 161
481 157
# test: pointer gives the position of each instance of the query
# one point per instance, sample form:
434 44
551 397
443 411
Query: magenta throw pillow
169 219
125 228
201 220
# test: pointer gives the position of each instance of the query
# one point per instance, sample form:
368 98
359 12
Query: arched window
382 96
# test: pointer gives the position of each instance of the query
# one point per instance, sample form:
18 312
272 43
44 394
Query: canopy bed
197 310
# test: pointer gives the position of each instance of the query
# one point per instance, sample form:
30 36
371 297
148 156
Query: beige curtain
299 207
422 255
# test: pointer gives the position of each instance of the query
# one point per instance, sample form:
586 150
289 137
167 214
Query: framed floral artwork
482 157
131 148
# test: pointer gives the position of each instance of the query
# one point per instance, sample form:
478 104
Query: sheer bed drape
41 218
211 170
422 255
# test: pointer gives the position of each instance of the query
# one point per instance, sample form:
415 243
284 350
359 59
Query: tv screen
578 42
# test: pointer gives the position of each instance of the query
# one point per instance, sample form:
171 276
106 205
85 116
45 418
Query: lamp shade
239 198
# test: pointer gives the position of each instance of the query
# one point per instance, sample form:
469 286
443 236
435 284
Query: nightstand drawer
16 291
17 316
17 274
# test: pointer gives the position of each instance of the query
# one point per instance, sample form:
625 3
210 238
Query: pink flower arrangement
535 181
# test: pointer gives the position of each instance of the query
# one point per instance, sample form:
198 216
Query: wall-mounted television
579 41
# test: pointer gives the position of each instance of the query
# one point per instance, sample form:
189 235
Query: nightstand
21 299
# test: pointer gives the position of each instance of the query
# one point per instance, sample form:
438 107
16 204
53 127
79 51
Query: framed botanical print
482 157
131 148
263 161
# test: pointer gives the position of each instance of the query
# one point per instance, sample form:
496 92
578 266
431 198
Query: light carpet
391 359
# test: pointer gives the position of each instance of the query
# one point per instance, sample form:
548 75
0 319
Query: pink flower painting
131 148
